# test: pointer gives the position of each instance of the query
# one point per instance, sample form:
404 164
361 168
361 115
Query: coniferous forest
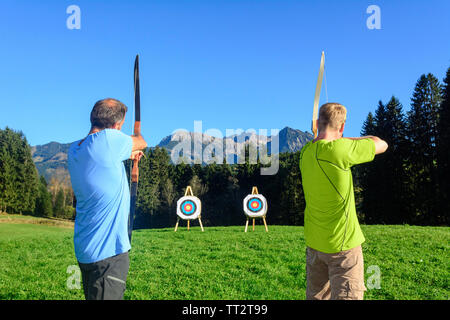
409 184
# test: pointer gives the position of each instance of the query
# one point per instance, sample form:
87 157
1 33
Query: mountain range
51 158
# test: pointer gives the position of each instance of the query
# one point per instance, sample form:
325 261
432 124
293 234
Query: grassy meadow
221 263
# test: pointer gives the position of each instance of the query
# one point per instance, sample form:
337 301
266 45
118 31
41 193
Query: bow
137 132
314 123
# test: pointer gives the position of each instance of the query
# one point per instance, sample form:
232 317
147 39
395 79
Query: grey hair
107 112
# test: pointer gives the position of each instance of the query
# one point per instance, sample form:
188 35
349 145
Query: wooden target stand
189 196
251 216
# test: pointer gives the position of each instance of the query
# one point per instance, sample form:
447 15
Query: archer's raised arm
380 145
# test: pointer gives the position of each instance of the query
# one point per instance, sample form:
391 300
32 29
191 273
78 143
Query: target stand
255 206
189 208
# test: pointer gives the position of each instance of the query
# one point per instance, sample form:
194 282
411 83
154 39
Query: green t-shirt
331 224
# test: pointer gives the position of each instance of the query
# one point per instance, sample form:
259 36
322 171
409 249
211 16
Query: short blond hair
332 115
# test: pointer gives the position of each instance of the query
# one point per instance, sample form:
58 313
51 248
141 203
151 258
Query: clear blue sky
232 64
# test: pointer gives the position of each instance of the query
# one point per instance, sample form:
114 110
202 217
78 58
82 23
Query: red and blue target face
254 205
188 207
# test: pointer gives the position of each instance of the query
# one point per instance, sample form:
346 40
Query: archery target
189 207
255 205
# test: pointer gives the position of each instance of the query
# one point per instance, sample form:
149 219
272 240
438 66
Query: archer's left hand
137 155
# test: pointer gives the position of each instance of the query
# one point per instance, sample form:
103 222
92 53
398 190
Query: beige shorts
335 276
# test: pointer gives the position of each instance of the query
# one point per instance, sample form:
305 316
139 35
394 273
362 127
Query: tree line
220 187
22 190
409 184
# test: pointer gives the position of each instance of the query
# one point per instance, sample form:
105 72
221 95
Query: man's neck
328 136
94 130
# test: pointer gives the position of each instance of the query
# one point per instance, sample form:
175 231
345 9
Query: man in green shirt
334 261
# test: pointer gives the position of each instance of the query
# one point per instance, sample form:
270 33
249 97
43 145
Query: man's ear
118 125
341 130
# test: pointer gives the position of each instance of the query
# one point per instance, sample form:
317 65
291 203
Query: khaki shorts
336 276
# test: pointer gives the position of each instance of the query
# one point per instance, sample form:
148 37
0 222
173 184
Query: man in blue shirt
100 185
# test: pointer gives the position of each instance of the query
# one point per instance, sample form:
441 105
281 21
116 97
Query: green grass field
223 262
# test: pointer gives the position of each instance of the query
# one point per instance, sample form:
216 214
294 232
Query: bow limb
136 132
314 124
137 119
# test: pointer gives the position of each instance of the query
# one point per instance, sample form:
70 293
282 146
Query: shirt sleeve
358 151
120 144
345 153
301 154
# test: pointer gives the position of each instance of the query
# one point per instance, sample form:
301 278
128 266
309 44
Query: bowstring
132 132
325 79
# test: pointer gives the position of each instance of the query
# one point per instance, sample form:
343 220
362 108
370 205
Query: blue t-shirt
100 185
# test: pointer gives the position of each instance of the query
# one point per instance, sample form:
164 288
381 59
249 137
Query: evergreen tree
29 178
59 204
148 199
182 173
391 165
7 191
369 126
44 206
18 174
443 154
384 181
169 195
421 132
291 199
149 181
216 203
198 187
371 174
